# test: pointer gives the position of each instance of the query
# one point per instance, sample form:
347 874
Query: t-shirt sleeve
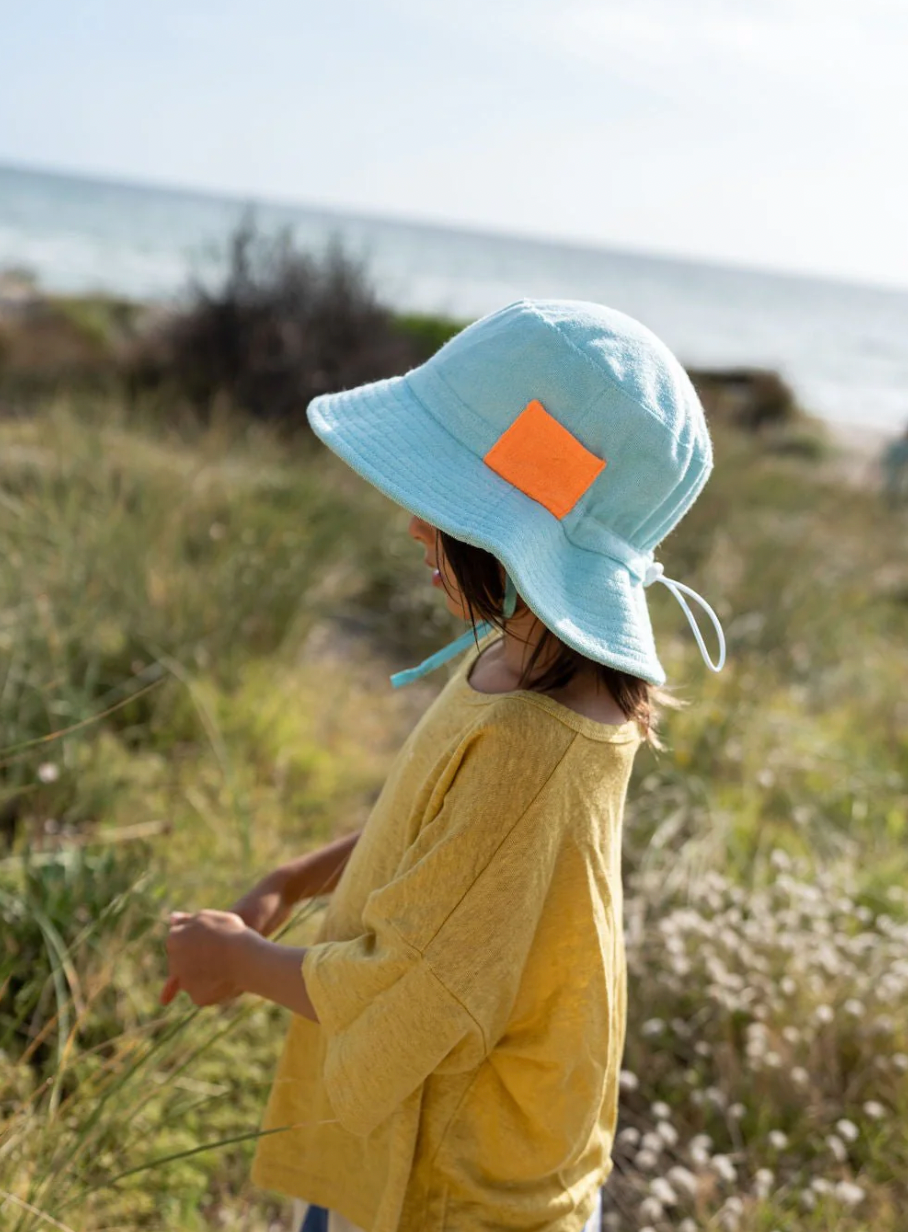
430 983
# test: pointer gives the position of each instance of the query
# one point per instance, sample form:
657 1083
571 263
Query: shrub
282 327
749 398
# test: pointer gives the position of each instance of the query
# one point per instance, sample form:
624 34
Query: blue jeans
317 1220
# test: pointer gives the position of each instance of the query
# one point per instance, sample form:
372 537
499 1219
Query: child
453 1059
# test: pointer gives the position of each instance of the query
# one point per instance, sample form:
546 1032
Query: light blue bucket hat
564 438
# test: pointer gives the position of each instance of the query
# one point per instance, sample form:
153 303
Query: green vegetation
197 623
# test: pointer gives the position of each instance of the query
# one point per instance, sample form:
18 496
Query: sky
767 133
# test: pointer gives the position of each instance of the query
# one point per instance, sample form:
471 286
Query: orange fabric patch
541 458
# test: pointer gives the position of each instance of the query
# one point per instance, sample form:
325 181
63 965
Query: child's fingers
177 917
170 990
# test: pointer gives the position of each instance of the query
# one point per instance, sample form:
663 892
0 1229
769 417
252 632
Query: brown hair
478 575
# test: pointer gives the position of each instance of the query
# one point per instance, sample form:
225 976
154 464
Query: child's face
443 576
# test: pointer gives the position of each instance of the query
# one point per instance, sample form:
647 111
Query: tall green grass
196 628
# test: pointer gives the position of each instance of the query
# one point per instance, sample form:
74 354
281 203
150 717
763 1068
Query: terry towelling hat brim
593 602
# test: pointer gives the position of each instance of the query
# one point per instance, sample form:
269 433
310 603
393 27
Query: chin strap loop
655 573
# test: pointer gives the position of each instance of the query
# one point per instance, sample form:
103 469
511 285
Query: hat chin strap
655 573
472 636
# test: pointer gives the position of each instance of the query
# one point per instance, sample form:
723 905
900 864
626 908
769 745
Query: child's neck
521 636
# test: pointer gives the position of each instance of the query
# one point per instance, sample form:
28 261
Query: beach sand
858 450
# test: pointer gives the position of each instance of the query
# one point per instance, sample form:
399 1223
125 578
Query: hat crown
608 380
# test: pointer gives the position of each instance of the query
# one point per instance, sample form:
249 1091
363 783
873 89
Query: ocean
843 347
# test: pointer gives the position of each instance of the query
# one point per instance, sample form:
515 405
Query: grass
211 614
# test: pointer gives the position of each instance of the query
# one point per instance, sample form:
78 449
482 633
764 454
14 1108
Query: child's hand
203 952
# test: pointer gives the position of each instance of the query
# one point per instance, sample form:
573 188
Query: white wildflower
777 1140
716 1097
820 1185
661 1110
725 1168
837 1147
847 1129
799 1075
687 1225
791 1034
652 1027
646 1161
629 1136
703 1048
682 1178
48 772
824 1013
651 1209
730 1214
702 1142
763 1182
854 1007
900 1061
873 1108
667 1133
652 1142
808 1199
661 1189
736 1111
849 1193
628 1081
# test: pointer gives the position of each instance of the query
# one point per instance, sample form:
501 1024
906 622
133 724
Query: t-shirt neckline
613 733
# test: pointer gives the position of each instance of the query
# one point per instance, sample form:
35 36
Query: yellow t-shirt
469 978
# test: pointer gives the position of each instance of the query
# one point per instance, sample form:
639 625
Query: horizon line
481 230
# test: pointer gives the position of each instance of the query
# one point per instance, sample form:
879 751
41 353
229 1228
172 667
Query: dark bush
748 398
282 327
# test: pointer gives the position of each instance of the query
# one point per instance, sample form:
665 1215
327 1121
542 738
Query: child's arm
263 910
215 956
268 905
